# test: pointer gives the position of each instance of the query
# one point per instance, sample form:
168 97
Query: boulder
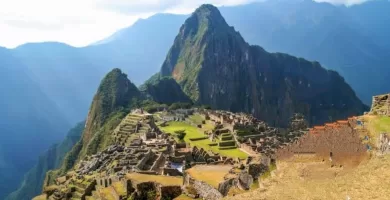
245 181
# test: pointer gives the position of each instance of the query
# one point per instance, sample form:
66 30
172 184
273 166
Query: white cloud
345 2
81 22
76 22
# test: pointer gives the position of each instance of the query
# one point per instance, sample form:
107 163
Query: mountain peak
208 15
203 28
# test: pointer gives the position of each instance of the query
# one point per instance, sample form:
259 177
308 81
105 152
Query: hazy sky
81 22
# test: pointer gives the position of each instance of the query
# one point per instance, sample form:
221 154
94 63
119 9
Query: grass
194 132
164 180
210 174
119 188
304 180
183 197
40 197
107 193
376 125
196 118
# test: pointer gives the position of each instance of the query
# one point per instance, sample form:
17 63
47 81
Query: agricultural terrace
210 174
375 126
202 140
164 180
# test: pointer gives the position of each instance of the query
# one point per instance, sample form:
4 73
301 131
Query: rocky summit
215 66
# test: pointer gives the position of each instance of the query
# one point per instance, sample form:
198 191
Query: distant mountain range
61 79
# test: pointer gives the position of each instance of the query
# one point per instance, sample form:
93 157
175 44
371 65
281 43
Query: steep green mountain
215 66
29 122
110 104
164 90
51 159
351 40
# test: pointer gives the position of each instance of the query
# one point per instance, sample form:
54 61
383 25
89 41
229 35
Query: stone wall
171 172
159 161
145 189
381 105
384 143
337 142
204 190
169 192
248 148
145 159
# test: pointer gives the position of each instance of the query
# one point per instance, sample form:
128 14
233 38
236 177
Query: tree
180 134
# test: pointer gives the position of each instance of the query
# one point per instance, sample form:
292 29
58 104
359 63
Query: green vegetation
180 134
193 132
149 106
164 90
196 119
376 125
267 174
180 105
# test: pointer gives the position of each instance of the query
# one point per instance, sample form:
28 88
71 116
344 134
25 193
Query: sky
82 22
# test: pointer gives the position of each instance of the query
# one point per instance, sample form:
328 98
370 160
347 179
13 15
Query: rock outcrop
384 143
204 190
215 66
381 105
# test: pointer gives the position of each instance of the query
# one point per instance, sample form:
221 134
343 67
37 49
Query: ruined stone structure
384 143
381 105
337 142
204 190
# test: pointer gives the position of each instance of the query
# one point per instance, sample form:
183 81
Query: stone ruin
381 105
384 143
337 142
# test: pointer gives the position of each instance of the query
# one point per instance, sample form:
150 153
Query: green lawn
196 118
194 132
377 125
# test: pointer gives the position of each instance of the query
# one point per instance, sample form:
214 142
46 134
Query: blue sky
81 22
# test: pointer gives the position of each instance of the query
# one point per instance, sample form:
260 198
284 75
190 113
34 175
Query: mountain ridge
215 66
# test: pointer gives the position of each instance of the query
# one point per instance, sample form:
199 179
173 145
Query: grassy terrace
210 174
376 125
164 180
194 132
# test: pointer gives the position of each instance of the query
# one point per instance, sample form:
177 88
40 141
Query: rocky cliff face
215 66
